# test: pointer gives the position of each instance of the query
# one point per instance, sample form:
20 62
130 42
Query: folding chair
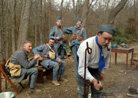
135 58
2 72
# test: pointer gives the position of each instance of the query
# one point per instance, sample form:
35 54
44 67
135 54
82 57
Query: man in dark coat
27 67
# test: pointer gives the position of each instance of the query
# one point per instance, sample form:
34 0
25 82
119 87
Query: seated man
27 67
48 61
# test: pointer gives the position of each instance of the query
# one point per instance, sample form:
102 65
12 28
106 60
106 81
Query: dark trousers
94 92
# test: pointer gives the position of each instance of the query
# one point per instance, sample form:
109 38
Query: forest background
32 20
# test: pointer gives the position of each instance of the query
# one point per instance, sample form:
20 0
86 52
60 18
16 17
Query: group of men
48 55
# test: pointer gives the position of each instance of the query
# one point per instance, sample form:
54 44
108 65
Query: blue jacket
57 31
73 30
43 51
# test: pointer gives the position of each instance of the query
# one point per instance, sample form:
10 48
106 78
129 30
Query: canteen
122 44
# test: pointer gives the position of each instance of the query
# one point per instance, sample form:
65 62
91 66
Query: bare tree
61 8
85 12
23 29
74 9
49 12
13 25
7 45
115 11
2 30
78 8
40 22
135 10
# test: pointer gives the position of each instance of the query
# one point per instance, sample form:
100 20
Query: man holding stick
96 63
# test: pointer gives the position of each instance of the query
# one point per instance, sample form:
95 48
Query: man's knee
56 67
35 71
81 91
63 63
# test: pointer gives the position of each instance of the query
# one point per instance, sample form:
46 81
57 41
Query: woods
32 19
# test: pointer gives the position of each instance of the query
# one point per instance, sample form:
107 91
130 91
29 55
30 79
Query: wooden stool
43 72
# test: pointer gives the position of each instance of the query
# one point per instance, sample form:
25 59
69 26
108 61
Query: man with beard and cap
58 33
96 63
78 35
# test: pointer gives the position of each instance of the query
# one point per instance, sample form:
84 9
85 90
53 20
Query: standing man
27 67
78 35
96 62
58 33
49 59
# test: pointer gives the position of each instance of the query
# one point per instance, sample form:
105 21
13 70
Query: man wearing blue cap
96 63
58 33
49 59
78 35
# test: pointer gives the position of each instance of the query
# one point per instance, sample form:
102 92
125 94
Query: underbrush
124 37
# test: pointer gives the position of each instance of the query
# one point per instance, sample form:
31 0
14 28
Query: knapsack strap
81 31
59 30
7 62
76 33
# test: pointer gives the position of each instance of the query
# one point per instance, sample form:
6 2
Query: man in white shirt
97 62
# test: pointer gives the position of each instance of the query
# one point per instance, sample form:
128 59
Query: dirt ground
117 80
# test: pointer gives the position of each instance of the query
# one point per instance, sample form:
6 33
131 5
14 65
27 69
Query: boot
96 96
133 90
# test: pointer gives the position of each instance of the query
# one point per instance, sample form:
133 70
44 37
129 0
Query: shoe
133 90
55 83
63 79
34 90
65 57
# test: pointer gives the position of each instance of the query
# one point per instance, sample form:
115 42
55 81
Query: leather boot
96 96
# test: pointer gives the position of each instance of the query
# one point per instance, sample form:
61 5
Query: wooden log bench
44 72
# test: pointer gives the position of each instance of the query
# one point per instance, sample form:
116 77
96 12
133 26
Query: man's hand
74 36
58 38
80 38
59 60
101 76
36 56
97 84
40 58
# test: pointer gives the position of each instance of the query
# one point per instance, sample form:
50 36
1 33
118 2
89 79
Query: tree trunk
40 22
13 26
135 10
7 45
2 30
49 13
74 9
85 12
115 11
78 8
35 32
23 29
61 8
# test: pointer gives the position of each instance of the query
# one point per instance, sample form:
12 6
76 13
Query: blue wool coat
74 29
43 51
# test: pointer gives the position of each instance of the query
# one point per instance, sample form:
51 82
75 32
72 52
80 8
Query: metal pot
7 95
